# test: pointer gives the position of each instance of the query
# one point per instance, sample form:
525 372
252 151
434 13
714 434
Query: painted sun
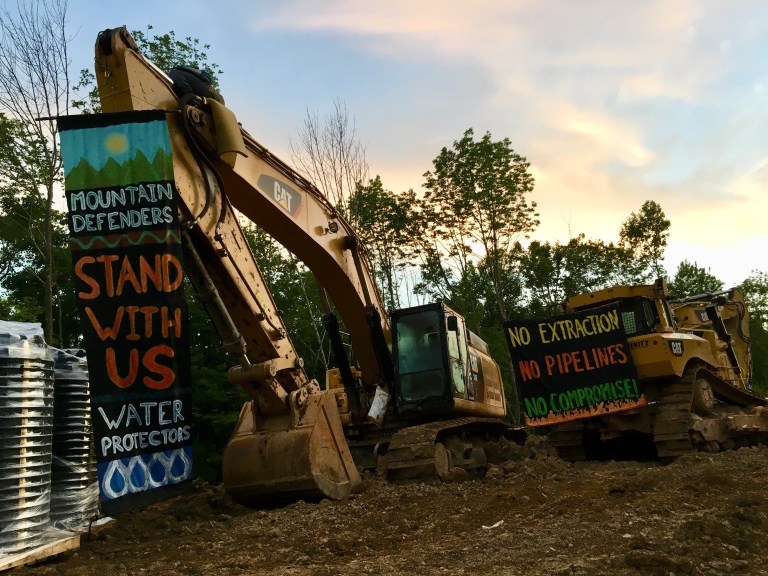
116 143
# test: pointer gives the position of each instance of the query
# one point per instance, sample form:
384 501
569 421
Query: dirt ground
704 514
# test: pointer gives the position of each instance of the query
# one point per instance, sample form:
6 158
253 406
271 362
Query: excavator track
433 451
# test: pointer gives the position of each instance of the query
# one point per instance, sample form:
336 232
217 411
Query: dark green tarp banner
127 262
572 366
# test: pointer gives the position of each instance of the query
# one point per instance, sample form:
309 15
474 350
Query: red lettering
550 362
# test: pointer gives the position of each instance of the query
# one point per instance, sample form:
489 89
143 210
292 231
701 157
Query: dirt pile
704 514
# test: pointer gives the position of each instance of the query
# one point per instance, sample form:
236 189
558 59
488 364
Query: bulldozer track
696 412
673 410
568 440
430 451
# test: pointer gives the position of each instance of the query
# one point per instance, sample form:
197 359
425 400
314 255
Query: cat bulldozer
421 393
693 363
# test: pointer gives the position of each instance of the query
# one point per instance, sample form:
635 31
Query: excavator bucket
303 456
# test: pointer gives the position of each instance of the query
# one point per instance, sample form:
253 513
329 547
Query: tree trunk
48 261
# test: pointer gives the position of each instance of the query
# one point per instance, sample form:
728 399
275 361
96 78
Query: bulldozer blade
304 455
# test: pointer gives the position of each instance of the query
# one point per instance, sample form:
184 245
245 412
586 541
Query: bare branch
331 155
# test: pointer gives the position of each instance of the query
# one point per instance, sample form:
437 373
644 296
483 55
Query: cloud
614 103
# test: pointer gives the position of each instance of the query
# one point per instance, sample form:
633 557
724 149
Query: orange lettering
107 260
127 275
170 286
133 369
95 290
106 332
150 363
167 323
148 312
132 335
152 273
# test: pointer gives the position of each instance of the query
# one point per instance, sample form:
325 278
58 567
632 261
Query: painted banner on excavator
573 366
126 255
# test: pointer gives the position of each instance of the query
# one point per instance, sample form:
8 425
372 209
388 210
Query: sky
613 102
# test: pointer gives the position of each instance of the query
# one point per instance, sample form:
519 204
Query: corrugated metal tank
26 427
74 485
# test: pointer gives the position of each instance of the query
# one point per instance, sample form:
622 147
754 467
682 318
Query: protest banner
576 365
128 275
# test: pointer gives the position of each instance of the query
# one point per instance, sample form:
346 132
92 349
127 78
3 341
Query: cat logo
284 196
676 347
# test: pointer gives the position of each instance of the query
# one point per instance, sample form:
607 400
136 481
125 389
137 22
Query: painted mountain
134 170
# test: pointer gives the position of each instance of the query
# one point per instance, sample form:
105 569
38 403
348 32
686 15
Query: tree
554 272
330 154
755 290
35 89
382 220
690 279
645 233
476 199
467 230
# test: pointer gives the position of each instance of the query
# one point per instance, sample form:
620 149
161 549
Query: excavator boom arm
289 438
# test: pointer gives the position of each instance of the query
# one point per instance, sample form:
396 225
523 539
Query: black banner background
572 366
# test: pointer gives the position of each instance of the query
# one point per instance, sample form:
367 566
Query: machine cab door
457 355
422 374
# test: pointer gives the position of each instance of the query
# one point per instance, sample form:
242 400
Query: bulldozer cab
422 364
640 316
643 309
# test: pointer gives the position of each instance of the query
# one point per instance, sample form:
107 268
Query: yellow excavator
294 438
694 367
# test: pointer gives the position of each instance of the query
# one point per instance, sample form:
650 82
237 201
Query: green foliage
690 279
645 233
167 52
755 290
383 220
475 207
554 272
24 163
216 402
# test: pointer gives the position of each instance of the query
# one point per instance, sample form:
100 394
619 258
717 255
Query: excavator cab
422 382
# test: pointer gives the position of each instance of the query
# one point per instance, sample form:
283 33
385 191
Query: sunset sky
612 102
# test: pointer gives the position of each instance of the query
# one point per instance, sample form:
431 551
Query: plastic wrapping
26 426
379 406
74 484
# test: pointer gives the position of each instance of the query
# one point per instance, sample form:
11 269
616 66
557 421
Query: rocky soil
704 514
